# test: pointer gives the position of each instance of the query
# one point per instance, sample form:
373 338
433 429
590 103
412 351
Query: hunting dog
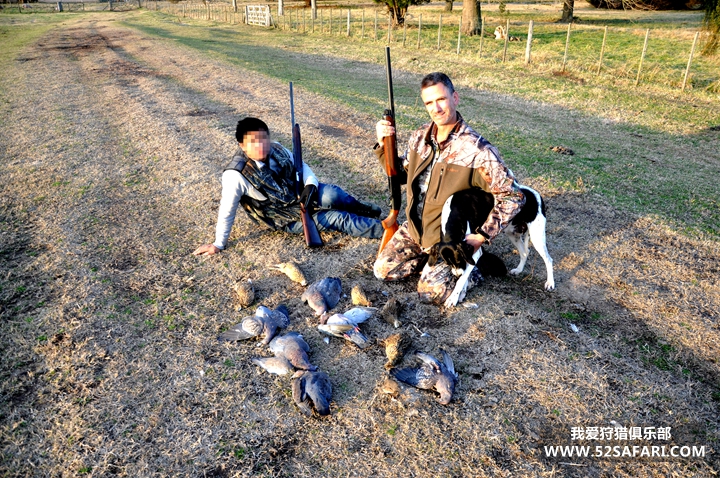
464 213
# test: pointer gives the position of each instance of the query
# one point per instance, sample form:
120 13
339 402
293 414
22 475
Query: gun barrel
388 67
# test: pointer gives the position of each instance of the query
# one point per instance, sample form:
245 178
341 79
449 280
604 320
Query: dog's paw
451 301
516 271
550 285
455 298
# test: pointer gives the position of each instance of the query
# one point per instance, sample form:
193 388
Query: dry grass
110 363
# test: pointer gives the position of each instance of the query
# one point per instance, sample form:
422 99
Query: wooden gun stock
310 230
390 224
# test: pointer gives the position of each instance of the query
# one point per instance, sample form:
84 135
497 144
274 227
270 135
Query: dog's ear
448 251
433 255
467 251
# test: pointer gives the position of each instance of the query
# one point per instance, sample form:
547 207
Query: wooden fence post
567 44
362 27
459 32
348 23
404 31
375 39
439 32
692 52
482 35
642 57
331 19
507 38
419 29
528 47
313 11
602 51
389 38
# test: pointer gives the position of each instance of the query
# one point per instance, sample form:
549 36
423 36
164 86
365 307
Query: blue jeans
334 215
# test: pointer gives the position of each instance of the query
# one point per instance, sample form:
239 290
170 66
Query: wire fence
665 57
69 7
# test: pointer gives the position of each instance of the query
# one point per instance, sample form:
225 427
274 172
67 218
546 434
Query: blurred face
441 105
256 145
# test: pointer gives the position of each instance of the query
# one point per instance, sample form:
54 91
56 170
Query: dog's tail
491 265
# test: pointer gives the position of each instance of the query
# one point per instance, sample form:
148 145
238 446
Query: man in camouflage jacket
443 157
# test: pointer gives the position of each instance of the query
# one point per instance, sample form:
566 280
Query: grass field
115 129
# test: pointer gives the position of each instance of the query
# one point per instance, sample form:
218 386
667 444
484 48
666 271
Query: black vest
276 181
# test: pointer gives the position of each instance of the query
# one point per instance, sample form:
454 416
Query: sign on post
258 15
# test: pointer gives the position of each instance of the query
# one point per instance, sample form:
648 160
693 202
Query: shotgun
390 224
310 230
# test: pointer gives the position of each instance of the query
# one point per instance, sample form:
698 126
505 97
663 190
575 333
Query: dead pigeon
312 386
245 293
276 365
264 322
358 296
391 311
395 347
323 295
431 375
346 325
293 347
291 270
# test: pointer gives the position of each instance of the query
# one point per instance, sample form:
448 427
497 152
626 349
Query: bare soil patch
108 326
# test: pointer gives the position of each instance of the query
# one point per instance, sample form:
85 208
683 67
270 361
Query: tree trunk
567 14
397 14
471 17
448 5
711 24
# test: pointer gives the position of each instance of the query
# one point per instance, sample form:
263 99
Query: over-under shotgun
310 230
390 224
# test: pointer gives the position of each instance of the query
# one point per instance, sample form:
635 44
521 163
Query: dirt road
112 149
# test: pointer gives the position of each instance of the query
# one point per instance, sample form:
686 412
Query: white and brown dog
464 213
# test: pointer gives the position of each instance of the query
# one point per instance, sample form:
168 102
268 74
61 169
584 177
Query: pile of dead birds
312 387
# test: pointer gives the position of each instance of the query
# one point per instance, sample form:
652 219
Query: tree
471 17
397 9
711 23
567 15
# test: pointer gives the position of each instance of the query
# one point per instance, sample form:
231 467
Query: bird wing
429 360
276 365
358 315
448 362
299 396
415 376
338 319
330 288
245 330
336 330
281 316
